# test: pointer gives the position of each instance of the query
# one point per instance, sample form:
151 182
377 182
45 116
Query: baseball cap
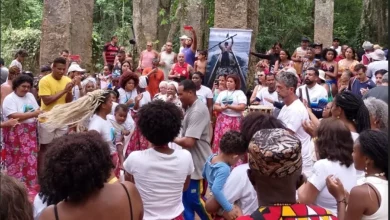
275 153
45 68
305 39
184 37
336 39
75 67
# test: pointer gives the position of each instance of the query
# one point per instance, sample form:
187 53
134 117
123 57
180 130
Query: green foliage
15 39
21 13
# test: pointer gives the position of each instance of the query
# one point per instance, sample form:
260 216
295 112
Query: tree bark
323 22
373 23
67 24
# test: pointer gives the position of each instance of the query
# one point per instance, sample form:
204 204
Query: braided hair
373 144
354 109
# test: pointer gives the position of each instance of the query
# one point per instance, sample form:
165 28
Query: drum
261 108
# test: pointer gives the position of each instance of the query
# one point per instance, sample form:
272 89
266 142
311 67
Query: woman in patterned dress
20 141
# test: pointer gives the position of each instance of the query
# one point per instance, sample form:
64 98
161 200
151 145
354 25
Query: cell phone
187 27
74 57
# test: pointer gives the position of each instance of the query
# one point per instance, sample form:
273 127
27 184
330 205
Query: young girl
217 168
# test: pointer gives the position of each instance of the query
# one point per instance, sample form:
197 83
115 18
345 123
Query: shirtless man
226 50
201 64
6 88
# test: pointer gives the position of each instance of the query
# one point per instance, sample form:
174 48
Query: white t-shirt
105 128
322 169
264 93
17 64
76 92
39 206
239 189
16 104
159 179
231 98
338 50
316 94
204 93
129 123
126 96
293 116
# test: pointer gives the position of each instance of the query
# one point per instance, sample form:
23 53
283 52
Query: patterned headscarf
275 153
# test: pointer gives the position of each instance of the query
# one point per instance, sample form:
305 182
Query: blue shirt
216 175
189 56
357 85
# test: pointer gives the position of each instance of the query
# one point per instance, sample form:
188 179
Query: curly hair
255 121
374 144
159 122
232 142
14 200
76 166
326 50
378 110
125 77
20 79
354 109
334 141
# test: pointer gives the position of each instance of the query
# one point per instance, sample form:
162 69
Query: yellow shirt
50 86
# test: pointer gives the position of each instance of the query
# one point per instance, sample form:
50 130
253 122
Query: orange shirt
154 80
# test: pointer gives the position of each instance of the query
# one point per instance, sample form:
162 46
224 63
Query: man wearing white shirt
316 95
336 45
268 92
293 114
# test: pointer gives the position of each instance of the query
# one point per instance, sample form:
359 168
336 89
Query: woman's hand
269 100
224 107
10 123
37 112
335 187
309 127
139 97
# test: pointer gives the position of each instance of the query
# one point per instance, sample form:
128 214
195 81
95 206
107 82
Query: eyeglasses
148 45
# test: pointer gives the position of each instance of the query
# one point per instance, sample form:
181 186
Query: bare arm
253 97
238 108
190 69
140 60
195 66
48 99
185 142
25 116
210 106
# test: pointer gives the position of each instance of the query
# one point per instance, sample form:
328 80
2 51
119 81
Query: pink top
147 58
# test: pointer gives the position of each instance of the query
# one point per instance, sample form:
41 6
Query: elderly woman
379 113
162 87
21 142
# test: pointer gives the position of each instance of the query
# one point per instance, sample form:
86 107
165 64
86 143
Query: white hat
74 67
143 82
175 84
184 37
367 45
378 55
322 75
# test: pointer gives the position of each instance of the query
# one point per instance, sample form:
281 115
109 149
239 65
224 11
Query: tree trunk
373 22
323 22
194 15
67 24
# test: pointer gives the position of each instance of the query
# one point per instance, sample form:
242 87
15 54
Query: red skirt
21 153
137 141
224 124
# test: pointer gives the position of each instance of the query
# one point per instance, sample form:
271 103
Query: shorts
46 137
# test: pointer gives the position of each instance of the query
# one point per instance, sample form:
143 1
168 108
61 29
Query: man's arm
44 90
185 142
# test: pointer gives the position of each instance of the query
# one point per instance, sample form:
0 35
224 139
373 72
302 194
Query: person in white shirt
293 114
335 160
160 173
231 104
336 45
379 62
204 93
19 58
268 93
167 59
311 92
75 72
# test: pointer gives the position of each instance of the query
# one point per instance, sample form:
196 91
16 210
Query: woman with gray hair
379 113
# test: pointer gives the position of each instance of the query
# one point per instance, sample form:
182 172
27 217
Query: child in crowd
217 168
123 127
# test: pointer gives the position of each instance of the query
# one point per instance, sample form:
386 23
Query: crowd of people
151 141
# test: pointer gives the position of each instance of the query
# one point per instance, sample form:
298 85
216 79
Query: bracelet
344 200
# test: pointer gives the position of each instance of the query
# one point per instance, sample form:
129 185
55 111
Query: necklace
376 174
283 204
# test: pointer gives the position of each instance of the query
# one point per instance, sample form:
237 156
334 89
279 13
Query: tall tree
373 23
